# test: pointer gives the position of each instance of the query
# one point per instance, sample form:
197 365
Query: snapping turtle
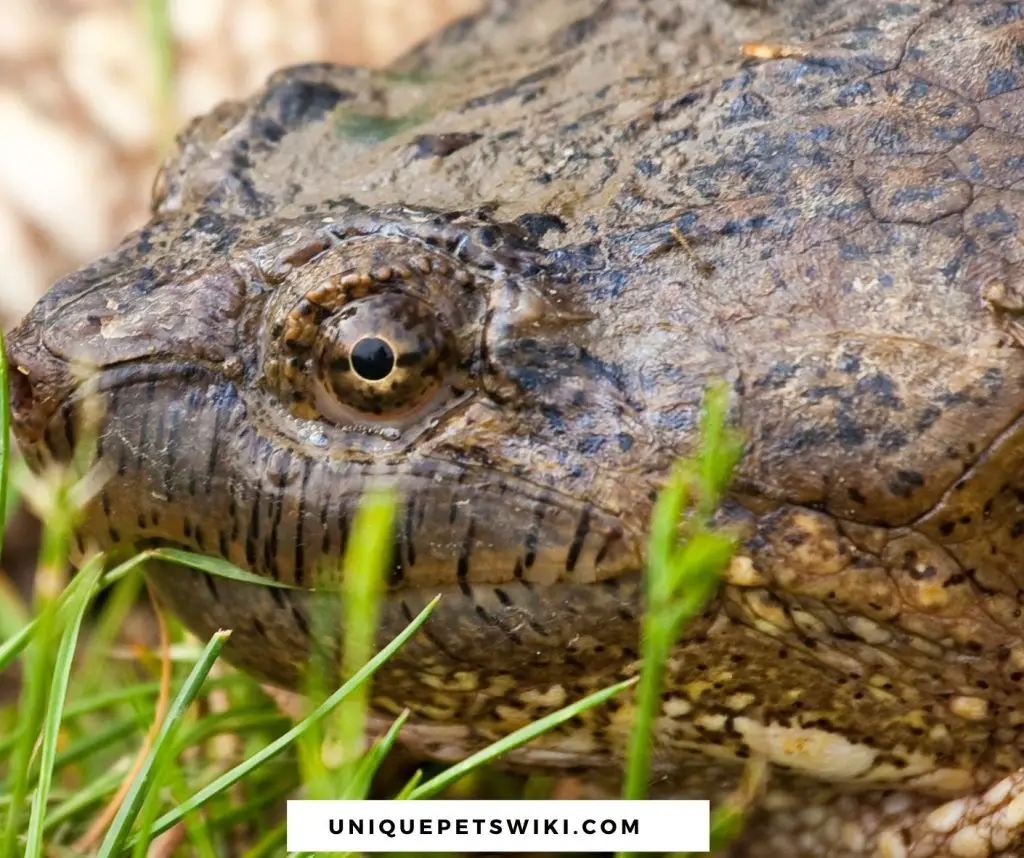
498 277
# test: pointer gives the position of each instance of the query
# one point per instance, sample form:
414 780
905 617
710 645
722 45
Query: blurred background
92 91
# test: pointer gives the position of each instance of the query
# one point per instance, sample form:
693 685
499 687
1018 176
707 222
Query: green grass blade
5 438
94 741
54 709
31 705
730 817
10 649
359 786
234 721
17 473
216 566
514 740
49 593
109 699
366 562
14 615
329 757
197 832
122 599
668 510
648 701
721 448
87 796
685 559
410 787
252 810
159 31
242 769
114 842
271 843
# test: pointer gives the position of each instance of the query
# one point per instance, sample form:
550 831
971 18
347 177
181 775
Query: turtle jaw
514 531
196 462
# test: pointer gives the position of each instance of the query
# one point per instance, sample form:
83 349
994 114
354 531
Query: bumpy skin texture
566 218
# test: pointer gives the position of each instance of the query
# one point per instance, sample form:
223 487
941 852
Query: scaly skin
565 219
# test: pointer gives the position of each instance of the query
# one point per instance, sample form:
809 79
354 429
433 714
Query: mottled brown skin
565 219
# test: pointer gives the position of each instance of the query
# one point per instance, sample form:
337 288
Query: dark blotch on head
848 363
780 373
928 417
538 225
443 145
293 102
904 483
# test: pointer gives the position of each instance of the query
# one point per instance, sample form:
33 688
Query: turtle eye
382 355
366 330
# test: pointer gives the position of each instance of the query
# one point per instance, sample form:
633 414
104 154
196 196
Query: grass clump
111 751
686 557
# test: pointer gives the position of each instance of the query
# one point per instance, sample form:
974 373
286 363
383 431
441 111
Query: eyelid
335 411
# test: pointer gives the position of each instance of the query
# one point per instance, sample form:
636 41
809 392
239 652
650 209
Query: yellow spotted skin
498 278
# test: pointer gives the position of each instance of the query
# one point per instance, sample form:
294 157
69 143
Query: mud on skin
463 277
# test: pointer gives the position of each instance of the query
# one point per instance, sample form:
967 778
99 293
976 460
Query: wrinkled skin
565 219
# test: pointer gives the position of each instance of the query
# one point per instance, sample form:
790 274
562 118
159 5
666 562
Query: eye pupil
372 359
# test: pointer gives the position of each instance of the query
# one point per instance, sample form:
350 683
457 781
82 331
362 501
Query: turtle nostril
38 383
24 413
21 391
